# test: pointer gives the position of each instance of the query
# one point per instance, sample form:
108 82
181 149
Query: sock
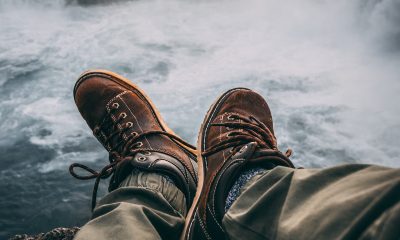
243 178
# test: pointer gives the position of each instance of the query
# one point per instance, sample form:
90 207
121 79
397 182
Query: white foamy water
329 69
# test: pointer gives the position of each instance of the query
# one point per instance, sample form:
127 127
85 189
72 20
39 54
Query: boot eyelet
123 115
229 134
115 105
96 131
134 134
141 159
129 124
147 153
230 117
139 144
243 148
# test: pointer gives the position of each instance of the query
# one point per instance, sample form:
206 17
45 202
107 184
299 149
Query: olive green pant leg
146 206
344 202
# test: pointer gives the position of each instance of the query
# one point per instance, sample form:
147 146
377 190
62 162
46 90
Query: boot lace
244 130
124 147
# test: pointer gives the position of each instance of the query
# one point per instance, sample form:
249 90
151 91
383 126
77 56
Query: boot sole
129 85
200 161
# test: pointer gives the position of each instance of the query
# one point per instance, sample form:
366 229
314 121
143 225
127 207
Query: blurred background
329 69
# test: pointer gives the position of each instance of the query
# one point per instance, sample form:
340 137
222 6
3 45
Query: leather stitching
204 228
136 120
112 99
214 111
215 219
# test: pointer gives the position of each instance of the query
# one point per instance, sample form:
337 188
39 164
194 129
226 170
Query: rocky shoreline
55 234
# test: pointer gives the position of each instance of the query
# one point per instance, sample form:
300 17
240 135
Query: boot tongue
103 132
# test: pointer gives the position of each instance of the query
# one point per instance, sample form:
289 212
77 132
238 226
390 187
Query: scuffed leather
95 94
222 168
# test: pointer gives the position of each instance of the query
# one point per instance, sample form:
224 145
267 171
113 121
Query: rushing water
329 69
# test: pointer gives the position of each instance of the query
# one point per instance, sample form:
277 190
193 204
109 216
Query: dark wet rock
55 234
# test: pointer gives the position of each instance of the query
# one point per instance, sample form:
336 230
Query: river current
329 69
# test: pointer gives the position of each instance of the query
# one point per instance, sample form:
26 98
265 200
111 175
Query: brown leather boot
128 125
237 132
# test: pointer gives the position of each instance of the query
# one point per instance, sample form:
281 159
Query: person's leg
236 133
343 202
144 154
237 142
146 206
